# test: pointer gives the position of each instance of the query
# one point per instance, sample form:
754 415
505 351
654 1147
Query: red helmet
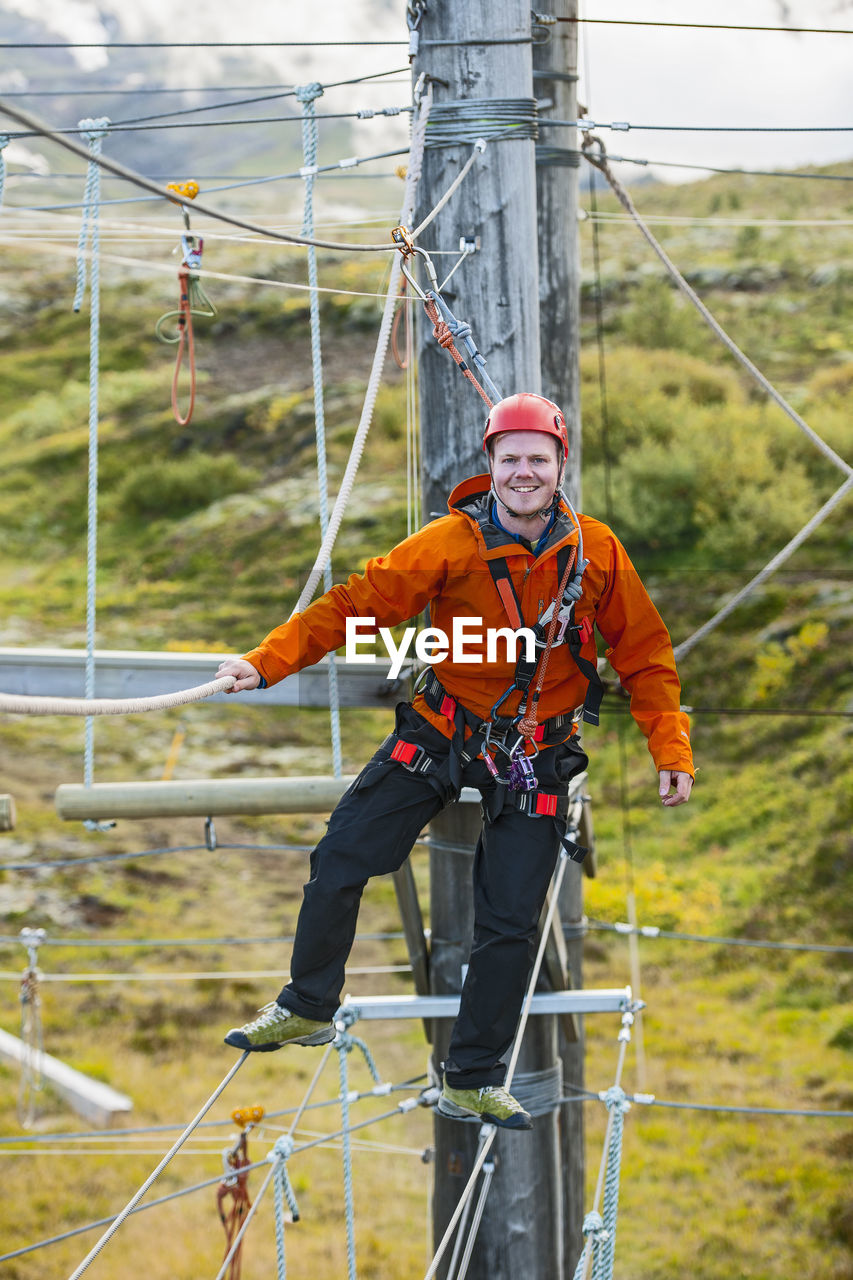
527 412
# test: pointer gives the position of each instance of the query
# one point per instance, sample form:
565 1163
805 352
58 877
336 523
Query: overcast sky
642 76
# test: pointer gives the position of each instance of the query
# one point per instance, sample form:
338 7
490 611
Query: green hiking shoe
275 1027
491 1104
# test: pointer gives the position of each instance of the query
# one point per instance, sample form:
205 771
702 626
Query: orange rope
238 1159
402 313
528 724
444 337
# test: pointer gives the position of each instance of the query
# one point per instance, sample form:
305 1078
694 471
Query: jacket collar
472 499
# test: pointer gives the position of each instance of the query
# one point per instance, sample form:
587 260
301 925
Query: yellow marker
247 1115
187 190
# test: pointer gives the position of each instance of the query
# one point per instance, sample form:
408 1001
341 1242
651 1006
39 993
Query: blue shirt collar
519 537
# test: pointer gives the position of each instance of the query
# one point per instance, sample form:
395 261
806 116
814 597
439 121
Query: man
509 554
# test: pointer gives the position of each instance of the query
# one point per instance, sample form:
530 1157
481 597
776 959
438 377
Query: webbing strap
502 579
576 636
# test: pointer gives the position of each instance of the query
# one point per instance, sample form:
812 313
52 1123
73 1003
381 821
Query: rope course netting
595 152
597 1258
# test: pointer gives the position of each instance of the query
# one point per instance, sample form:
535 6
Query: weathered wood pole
496 292
555 78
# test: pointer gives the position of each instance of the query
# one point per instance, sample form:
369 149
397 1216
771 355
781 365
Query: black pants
371 832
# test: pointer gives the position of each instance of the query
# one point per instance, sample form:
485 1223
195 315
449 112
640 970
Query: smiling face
526 470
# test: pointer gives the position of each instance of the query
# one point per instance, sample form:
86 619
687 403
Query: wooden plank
202 797
101 1105
207 797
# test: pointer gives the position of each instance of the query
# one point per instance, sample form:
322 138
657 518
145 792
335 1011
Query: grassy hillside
205 534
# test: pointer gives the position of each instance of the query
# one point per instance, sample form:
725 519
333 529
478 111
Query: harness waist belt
438 699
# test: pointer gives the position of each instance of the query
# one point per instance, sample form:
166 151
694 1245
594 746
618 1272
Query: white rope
131 1204
488 1131
22 704
681 650
412 177
29 121
600 162
162 268
307 94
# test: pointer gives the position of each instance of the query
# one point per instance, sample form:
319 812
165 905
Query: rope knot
616 1099
308 92
94 129
346 1018
593 1225
442 333
282 1149
461 330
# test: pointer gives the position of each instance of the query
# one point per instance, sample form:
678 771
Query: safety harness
507 736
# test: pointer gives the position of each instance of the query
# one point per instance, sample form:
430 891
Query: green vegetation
206 534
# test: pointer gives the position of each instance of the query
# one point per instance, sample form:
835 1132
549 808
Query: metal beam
603 1000
130 673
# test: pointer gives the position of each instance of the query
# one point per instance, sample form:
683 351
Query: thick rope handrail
407 211
152 1177
599 161
25 704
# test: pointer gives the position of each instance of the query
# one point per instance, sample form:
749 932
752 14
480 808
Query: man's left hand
675 787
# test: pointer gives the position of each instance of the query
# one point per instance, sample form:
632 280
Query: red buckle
540 733
405 752
585 629
448 706
545 804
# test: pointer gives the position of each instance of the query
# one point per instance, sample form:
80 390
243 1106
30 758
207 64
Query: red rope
528 724
185 329
238 1159
402 313
443 335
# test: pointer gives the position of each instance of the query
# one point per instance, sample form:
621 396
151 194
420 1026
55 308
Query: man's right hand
246 676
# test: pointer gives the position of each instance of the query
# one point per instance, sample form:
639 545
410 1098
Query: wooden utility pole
497 292
555 79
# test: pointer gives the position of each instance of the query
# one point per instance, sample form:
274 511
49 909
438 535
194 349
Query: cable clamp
308 171
480 145
643 1099
349 163
621 126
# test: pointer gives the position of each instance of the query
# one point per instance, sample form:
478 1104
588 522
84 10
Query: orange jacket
443 566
